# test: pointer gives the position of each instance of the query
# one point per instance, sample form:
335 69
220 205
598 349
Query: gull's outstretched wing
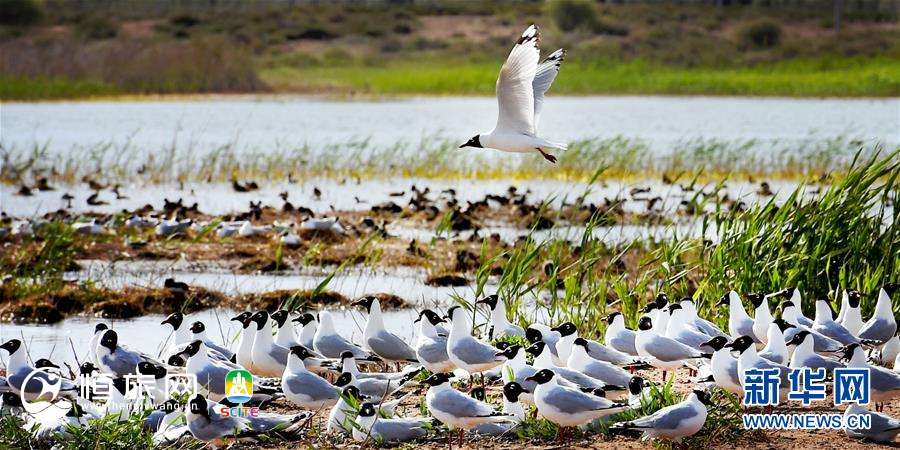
515 93
543 78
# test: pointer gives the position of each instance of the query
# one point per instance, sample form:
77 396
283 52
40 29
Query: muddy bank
87 299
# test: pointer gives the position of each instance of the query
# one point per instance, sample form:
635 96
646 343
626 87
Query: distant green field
41 88
861 77
876 77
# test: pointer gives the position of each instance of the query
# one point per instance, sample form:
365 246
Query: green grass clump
38 265
108 432
13 433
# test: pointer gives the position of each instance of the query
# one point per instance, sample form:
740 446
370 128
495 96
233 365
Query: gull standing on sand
521 86
538 332
790 314
207 424
739 322
804 356
348 364
705 326
679 329
269 358
663 352
724 366
850 316
500 325
211 374
431 347
776 347
542 360
304 388
464 350
512 392
244 354
456 409
749 359
762 317
889 352
569 407
384 344
330 344
882 325
516 369
376 389
618 336
370 426
885 383
883 428
826 325
797 301
607 372
674 422
595 350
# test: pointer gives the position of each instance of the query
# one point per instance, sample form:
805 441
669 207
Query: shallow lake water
265 122
352 283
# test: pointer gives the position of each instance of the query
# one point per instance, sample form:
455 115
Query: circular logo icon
40 390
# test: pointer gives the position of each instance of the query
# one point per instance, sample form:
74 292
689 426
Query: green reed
431 157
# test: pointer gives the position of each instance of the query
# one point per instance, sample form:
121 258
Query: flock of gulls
568 380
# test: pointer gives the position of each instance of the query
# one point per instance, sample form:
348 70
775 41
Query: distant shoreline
375 98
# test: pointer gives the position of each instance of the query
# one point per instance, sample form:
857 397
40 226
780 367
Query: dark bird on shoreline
93 184
67 197
24 191
93 201
119 196
43 185
317 193
175 286
246 187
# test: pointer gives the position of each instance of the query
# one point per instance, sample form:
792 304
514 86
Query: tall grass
846 238
429 158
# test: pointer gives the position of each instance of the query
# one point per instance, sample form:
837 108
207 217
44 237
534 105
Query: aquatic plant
432 157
